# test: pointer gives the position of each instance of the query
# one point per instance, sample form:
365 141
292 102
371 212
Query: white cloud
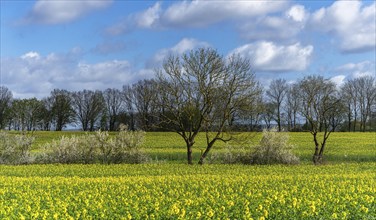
268 56
185 45
297 13
62 11
31 55
355 70
338 80
185 14
203 13
352 22
276 28
30 77
150 17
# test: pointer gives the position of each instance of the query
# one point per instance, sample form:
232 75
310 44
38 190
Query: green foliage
15 149
273 149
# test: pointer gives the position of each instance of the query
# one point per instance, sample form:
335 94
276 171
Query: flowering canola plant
176 191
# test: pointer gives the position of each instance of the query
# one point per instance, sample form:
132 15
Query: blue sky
77 44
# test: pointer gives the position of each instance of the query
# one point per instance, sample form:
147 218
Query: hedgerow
15 149
99 147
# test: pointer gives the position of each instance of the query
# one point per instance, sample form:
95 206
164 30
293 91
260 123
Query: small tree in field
319 104
202 91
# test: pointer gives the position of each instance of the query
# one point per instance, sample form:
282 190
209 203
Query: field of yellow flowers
178 191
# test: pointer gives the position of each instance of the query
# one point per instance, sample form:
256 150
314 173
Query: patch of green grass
169 146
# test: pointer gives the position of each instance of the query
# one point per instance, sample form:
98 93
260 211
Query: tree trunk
279 119
316 156
189 152
317 159
349 119
205 154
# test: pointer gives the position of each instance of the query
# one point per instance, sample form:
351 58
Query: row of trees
357 102
90 110
139 106
202 91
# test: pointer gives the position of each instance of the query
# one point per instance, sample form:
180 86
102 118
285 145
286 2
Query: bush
67 150
15 149
126 147
274 149
235 155
97 147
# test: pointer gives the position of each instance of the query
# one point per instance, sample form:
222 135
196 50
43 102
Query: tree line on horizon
143 105
202 91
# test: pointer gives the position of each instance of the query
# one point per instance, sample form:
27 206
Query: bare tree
277 93
128 100
236 91
292 107
26 114
5 101
47 113
359 95
347 95
114 105
268 114
366 86
318 101
62 111
202 91
187 86
250 118
88 106
143 96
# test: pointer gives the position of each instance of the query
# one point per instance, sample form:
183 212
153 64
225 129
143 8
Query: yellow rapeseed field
177 191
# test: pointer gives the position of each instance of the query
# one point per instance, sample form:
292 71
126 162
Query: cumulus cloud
31 55
297 13
352 22
355 70
150 17
185 45
62 11
270 57
195 14
203 13
282 27
37 75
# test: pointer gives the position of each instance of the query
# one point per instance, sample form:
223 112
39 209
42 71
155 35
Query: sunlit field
169 146
166 188
177 191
